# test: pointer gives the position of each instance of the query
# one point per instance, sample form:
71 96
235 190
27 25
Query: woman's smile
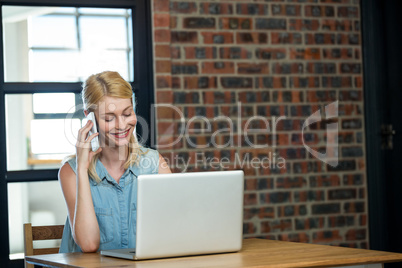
121 135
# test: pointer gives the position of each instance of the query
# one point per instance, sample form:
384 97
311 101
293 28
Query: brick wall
226 72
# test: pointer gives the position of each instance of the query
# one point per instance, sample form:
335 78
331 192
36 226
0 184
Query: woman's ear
86 113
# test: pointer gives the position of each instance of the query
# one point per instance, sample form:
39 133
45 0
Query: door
382 43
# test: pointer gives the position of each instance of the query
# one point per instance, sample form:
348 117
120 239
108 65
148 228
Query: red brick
249 228
217 37
359 234
163 66
359 82
337 25
191 52
261 213
175 52
250 199
276 226
166 128
216 8
176 82
185 8
295 237
306 224
286 38
250 184
338 53
163 81
252 9
232 23
252 68
165 143
165 113
299 210
162 35
217 67
321 67
184 37
363 220
333 1
284 183
305 53
287 68
286 10
346 109
161 20
326 236
161 5
348 11
235 53
199 23
253 96
196 82
304 25
277 82
198 142
210 97
251 38
173 22
357 53
184 68
162 51
319 11
324 39
164 96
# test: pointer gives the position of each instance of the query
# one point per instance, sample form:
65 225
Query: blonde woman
100 188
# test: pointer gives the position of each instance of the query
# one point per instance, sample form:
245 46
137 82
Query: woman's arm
77 193
163 166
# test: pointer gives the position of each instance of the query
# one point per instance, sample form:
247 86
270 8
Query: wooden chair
32 233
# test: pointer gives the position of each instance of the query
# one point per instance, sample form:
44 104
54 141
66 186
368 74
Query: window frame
77 15
142 85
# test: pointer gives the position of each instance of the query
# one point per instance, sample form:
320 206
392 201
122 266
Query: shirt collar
104 175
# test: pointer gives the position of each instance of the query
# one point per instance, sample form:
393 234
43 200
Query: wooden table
255 253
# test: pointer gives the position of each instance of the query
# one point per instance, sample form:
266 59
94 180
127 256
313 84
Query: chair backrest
33 233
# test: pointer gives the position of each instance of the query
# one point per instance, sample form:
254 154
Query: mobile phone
94 141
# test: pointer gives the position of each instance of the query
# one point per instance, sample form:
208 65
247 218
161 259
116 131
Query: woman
100 188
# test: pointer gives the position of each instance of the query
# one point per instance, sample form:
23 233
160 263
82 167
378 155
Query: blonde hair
110 84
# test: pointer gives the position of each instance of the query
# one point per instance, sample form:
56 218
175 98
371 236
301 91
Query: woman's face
116 121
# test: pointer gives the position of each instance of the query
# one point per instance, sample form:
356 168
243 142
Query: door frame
375 81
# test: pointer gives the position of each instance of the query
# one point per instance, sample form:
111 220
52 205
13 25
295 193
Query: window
62 44
48 51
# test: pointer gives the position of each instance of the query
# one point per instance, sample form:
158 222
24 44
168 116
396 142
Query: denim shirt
115 204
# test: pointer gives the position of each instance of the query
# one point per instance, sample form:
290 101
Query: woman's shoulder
149 152
67 170
148 161
71 161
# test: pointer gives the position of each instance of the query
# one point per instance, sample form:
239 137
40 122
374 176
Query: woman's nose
121 123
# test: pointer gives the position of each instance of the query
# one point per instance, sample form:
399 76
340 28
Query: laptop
183 214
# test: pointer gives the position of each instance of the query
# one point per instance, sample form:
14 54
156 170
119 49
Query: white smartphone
94 141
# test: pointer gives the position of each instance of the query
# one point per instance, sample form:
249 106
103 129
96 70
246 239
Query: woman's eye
127 114
108 119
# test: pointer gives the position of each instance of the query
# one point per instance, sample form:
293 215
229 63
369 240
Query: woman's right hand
83 146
